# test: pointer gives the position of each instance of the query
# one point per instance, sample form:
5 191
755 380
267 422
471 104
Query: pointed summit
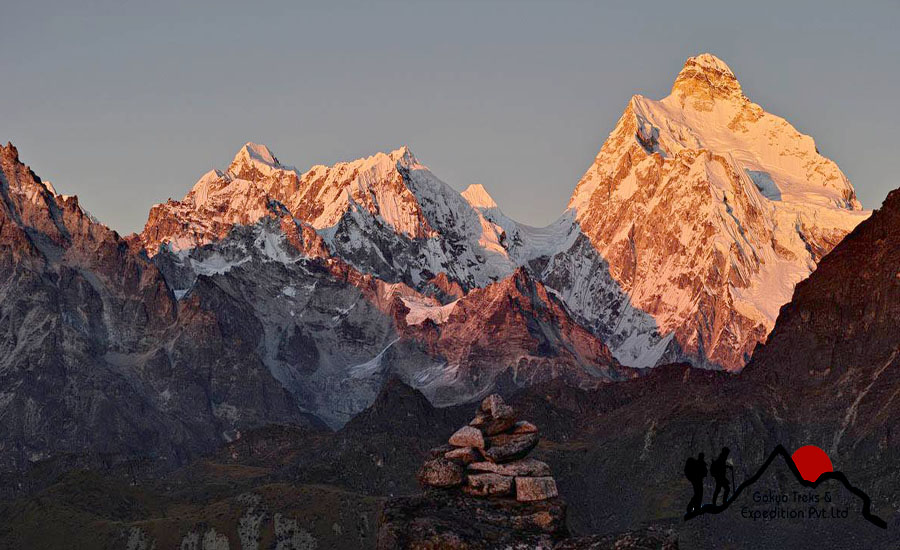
254 152
706 78
404 156
254 161
478 197
9 151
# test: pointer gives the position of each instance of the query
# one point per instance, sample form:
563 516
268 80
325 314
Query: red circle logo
812 462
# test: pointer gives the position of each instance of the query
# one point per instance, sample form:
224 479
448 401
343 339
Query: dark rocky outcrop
451 520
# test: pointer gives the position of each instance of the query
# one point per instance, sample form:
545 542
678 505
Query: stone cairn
489 458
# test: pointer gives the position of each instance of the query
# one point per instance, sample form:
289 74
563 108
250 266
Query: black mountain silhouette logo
695 470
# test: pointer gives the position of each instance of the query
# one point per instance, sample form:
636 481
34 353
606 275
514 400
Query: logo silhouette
695 471
718 470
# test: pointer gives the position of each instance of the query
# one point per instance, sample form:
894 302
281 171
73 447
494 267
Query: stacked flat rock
489 458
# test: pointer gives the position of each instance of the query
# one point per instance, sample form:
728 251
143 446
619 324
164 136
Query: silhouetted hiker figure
718 468
695 471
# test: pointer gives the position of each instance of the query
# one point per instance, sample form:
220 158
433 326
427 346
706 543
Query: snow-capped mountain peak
385 214
699 215
254 160
405 157
705 78
321 197
709 62
709 210
257 153
478 197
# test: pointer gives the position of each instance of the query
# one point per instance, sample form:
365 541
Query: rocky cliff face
515 328
100 363
331 335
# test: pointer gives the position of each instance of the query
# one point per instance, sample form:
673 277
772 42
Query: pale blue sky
125 104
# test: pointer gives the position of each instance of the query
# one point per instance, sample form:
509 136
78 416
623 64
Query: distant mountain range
268 294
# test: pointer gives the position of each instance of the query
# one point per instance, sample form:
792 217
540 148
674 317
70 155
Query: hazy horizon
128 105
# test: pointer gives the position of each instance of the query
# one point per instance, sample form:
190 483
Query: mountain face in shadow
838 331
100 362
835 350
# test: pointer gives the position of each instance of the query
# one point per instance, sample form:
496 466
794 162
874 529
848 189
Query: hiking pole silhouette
733 484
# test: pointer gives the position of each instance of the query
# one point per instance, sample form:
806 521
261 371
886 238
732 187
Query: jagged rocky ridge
100 363
836 345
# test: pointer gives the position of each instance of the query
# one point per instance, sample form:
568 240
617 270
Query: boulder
463 455
494 416
492 425
467 436
524 427
509 447
440 450
523 467
529 489
488 485
440 472
490 403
